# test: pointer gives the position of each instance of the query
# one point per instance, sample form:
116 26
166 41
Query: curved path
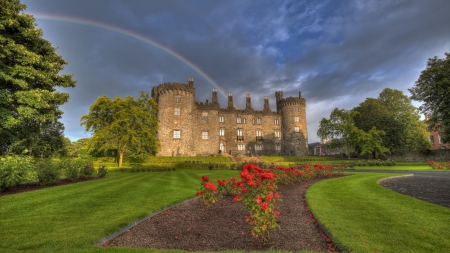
433 186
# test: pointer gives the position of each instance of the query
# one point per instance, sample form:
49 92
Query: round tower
294 127
176 103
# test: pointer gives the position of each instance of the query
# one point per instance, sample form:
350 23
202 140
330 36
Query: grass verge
363 216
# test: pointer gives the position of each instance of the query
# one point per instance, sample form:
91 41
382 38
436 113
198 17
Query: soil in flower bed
189 226
32 186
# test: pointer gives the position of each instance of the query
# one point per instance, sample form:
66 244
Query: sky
337 53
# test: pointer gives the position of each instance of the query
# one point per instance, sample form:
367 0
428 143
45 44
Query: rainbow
137 36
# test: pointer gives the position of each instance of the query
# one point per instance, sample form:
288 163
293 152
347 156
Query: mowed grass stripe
363 216
78 215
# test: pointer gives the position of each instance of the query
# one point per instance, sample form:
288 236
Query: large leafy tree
29 76
340 130
433 89
123 124
393 113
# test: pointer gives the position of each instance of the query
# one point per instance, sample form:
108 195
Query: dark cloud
336 52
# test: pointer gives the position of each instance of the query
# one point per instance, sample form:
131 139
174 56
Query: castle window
277 121
240 134
258 147
258 121
277 134
431 139
177 111
221 132
204 135
440 139
176 134
239 120
221 119
253 121
258 133
297 129
297 119
241 146
245 121
177 99
277 147
205 115
295 109
297 142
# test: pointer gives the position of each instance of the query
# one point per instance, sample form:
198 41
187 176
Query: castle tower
294 128
266 104
175 113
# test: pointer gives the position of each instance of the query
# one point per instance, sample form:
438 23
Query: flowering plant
208 192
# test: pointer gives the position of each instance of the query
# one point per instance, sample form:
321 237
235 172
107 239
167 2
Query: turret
266 104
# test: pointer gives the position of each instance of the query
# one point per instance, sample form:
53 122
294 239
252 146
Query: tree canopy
123 124
393 113
433 89
340 129
28 77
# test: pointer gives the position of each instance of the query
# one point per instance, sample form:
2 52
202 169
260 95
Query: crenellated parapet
207 106
289 101
173 88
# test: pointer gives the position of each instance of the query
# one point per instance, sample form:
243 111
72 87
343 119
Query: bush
86 168
102 171
48 172
15 170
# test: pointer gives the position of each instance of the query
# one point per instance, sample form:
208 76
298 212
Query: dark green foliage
28 79
393 113
433 89
48 171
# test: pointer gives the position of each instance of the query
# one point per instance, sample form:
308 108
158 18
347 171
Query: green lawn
363 216
74 217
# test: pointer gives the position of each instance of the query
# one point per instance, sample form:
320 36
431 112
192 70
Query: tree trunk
120 158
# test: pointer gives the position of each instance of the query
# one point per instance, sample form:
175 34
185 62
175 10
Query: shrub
48 172
15 170
102 171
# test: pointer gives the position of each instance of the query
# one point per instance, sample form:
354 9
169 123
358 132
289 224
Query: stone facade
189 128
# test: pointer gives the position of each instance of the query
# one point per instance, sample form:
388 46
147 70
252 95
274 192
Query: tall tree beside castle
433 89
28 77
123 124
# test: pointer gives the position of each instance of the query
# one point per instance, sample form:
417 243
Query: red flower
270 188
210 186
199 193
258 200
205 179
221 182
251 183
269 197
244 189
237 198
276 195
264 206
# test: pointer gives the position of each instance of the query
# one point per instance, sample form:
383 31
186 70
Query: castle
189 128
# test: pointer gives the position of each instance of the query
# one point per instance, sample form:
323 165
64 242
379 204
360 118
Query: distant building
436 138
189 128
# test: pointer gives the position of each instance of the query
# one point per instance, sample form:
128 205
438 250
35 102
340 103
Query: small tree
123 124
340 129
433 89
371 142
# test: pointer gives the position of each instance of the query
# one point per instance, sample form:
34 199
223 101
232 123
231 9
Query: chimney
230 100
266 104
191 81
248 104
214 96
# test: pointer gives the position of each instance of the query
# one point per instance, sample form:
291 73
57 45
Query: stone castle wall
205 128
